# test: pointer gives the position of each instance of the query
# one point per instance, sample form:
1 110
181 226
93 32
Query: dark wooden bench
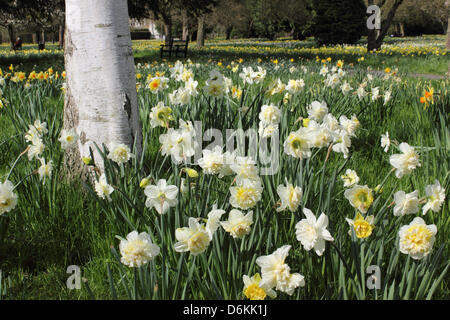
176 46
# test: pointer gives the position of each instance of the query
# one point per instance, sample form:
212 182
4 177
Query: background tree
101 99
375 37
229 14
166 9
417 17
297 14
339 21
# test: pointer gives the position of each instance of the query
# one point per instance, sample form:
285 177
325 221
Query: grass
411 55
60 223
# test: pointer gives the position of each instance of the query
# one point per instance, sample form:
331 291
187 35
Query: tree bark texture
201 31
101 99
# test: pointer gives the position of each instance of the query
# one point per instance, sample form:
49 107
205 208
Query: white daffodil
406 203
212 161
270 114
298 144
246 194
346 88
137 249
213 221
435 197
295 86
45 170
317 110
161 196
195 238
290 197
385 142
276 273
8 199
36 148
417 238
68 139
350 178
102 188
160 115
342 141
245 168
360 197
313 233
349 125
238 224
405 162
119 153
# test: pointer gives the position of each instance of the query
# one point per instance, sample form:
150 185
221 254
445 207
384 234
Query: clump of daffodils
38 129
417 238
8 199
137 249
277 274
320 130
250 76
312 232
179 143
295 86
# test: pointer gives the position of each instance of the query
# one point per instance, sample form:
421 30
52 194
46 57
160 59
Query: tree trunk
167 28
228 31
185 27
11 34
371 40
61 35
402 29
201 31
101 100
42 38
375 38
34 38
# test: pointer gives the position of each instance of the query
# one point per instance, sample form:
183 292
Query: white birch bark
101 99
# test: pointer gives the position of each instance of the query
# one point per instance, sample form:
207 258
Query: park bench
176 46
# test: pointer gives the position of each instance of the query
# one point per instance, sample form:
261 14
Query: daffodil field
263 177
